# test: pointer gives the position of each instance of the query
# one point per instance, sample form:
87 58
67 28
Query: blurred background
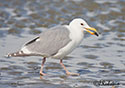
97 58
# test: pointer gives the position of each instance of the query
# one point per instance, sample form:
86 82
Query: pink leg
41 70
67 72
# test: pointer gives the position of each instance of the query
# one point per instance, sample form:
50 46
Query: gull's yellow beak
92 31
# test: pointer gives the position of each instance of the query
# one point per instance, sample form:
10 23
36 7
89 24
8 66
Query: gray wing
50 41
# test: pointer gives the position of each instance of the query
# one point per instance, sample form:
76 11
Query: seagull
56 42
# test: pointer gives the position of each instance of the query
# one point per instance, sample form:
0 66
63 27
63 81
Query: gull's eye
82 24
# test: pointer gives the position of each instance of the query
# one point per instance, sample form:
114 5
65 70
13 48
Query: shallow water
97 58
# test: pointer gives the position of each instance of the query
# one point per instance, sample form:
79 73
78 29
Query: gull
56 42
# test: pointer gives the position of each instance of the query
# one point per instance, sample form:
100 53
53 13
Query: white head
82 25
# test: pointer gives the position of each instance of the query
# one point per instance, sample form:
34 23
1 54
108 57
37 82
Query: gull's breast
76 38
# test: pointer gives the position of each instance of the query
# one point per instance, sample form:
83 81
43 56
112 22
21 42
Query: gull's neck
75 34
